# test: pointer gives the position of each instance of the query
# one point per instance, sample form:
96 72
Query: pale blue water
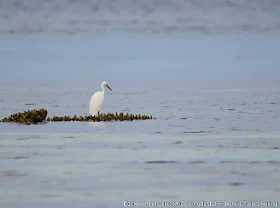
216 141
215 95
146 16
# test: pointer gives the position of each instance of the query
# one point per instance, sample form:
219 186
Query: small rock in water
27 117
178 142
236 184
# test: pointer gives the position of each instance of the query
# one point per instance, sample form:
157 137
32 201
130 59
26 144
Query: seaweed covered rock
36 116
28 117
102 117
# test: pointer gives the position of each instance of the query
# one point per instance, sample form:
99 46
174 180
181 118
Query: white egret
97 99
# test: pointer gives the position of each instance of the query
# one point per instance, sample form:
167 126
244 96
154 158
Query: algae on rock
36 116
27 117
101 117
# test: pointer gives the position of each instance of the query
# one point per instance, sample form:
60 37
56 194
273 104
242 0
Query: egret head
105 84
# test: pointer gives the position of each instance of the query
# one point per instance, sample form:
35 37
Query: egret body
97 99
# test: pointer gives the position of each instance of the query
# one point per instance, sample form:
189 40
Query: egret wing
95 103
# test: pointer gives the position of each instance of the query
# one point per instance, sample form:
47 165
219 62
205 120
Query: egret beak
109 87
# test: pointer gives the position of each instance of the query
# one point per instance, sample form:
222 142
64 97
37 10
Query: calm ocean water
208 72
211 141
146 16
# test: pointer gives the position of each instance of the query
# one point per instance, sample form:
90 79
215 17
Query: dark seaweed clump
102 117
27 117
